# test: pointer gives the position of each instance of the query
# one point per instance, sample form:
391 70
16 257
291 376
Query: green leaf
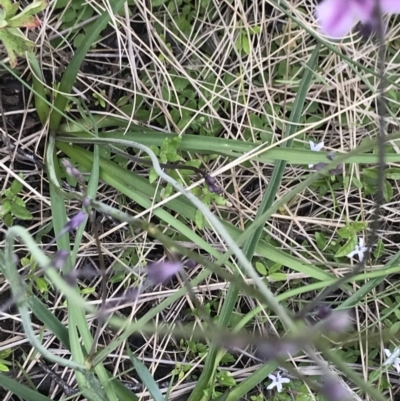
346 231
20 212
393 173
348 247
226 379
379 249
180 83
79 39
371 173
359 226
10 9
199 219
42 285
146 377
8 219
278 276
261 268
70 73
246 44
16 187
15 43
3 368
20 390
26 18
152 175
320 240
387 191
157 3
69 15
5 207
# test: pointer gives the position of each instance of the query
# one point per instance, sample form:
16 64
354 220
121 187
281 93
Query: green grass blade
146 377
123 180
249 246
232 148
20 390
71 72
39 90
279 168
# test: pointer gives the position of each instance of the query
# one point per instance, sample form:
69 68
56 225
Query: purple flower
190 263
72 171
159 272
209 180
324 311
336 18
59 259
75 222
333 390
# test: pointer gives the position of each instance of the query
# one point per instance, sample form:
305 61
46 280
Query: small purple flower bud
86 202
331 156
71 278
59 259
333 390
320 166
190 263
274 349
75 222
338 321
337 170
131 294
72 171
159 272
215 189
211 181
323 311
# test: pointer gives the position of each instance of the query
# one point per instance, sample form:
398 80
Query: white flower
359 250
315 148
392 358
277 381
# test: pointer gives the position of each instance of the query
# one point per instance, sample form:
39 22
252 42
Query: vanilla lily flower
359 250
315 148
277 381
393 359
336 18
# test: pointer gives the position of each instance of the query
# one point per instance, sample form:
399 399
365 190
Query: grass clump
169 230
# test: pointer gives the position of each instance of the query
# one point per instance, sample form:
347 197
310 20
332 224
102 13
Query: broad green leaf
261 268
5 207
348 247
15 43
320 240
3 368
20 212
387 190
393 173
9 8
346 231
26 18
16 187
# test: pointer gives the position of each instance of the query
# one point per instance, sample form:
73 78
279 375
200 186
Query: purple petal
336 17
364 10
75 222
333 390
59 259
159 272
390 6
